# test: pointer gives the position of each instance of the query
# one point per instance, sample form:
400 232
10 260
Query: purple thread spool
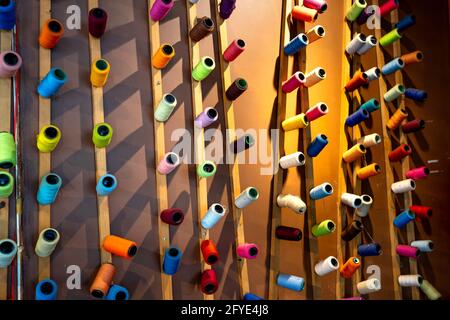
160 9
408 251
294 82
206 118
170 161
226 8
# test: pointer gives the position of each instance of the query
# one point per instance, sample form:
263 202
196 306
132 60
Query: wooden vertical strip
160 151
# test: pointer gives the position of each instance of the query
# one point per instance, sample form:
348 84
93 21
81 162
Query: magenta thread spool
248 251
418 173
160 9
408 251
294 82
206 118
319 110
319 5
10 63
234 50
413 126
97 22
170 161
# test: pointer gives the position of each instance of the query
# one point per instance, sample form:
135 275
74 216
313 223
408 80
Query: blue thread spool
252 297
172 259
7 14
106 185
296 44
318 144
393 66
118 293
371 106
290 282
406 23
52 82
416 94
46 290
404 218
322 191
357 117
213 216
369 250
48 189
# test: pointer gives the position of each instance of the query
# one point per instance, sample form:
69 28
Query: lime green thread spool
430 291
206 169
356 9
324 228
165 108
203 68
102 135
6 185
7 151
48 139
390 38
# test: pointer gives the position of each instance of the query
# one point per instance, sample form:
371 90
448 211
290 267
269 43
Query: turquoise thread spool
52 82
206 169
203 68
165 108
371 106
106 185
46 290
48 189
6 185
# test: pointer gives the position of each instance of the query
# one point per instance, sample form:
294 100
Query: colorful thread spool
422 212
100 72
320 5
206 118
352 200
209 252
406 23
163 56
98 19
326 266
369 286
416 94
357 42
407 251
213 216
413 57
390 38
355 10
351 231
291 282
305 14
369 171
165 108
292 202
370 141
322 191
430 291
295 45
363 210
288 233
294 82
413 126
251 297
423 245
7 151
315 77
248 251
404 218
6 185
102 281
356 118
317 145
47 242
371 42
204 67
369 250
394 93
355 153
247 197
293 160
395 65
418 173
46 290
203 28
319 110
172 260
172 216
316 33
120 247
410 280
7 15
51 83
10 63
208 281
8 251
294 123
349 268
161 9
48 189
118 293
373 73
48 139
206 169
324 228
234 49
403 186
397 118
226 8
388 6
51 32
236 89
106 185
169 163
102 135
371 106
243 143
399 153
359 79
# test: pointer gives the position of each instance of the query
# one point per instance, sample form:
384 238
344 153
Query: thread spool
305 14
410 280
100 72
351 200
98 19
317 145
247 197
366 204
48 139
395 65
47 242
320 5
349 268
172 260
290 282
369 250
407 251
118 293
388 6
406 23
413 57
316 33
212 217
355 153
252 297
324 228
209 252
423 245
416 94
106 185
51 83
163 56
204 67
404 218
294 123
371 42
403 186
7 151
172 216
10 63
120 247
296 44
248 251
369 286
234 49
357 42
48 189
394 93
413 126
208 281
293 160
165 108
430 291
8 251
322 191
288 233
319 110
399 153
326 266
352 230
292 202
236 89
160 9
7 15
390 38
373 73
226 8
102 135
397 118
418 173
51 32
422 212
315 77
206 118
356 118
355 10
371 106
370 141
46 290
294 82
359 79
169 163
6 185
102 282
206 169
369 171
203 28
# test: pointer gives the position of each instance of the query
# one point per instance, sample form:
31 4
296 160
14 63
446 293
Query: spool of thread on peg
173 216
236 89
203 28
290 282
48 139
369 250
206 118
363 210
204 68
371 42
390 38
120 247
369 286
172 260
359 79
317 145
351 200
406 23
292 202
294 82
349 268
47 242
413 57
352 230
169 163
410 280
98 18
163 56
355 10
320 5
252 297
413 126
206 169
102 135
6 185
322 191
209 252
326 266
369 171
100 72
248 251
288 233
7 151
422 212
106 185
416 94
247 197
51 83
296 44
118 293
102 282
418 173
371 106
316 33
319 110
161 9
355 153
7 15
397 118
165 108
408 251
226 8
293 160
356 118
373 73
234 49
213 216
370 140
324 228
8 251
208 281
294 123
51 32
315 77
305 14
10 63
423 245
403 186
430 291
393 66
46 290
394 93
399 153
357 42
404 218
388 6
48 189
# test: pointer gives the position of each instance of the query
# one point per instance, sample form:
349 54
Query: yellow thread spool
354 153
298 122
369 171
397 118
100 72
48 138
102 135
163 56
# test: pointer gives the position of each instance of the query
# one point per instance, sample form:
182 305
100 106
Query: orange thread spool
413 57
304 14
163 56
103 280
397 118
51 33
359 79
350 267
369 171
354 153
209 252
120 247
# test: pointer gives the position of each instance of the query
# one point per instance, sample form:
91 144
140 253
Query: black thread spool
236 89
288 233
352 231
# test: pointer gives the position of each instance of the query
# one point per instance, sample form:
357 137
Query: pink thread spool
319 110
319 5
170 161
418 173
160 9
294 82
408 251
388 6
248 251
234 50
10 63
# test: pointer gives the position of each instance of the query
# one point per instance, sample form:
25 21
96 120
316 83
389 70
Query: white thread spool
410 280
367 202
326 266
291 202
315 76
351 200
369 286
293 160
423 245
47 242
356 43
8 251
370 141
247 197
403 186
373 73
371 42
394 93
316 33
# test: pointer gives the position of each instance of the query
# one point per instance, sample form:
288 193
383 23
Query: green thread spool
206 169
203 68
165 107
324 228
430 291
102 135
356 10
6 185
390 38
7 151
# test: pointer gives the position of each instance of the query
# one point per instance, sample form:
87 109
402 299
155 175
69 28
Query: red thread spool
97 22
413 126
173 216
208 282
234 50
388 6
359 79
209 252
422 212
400 153
288 233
